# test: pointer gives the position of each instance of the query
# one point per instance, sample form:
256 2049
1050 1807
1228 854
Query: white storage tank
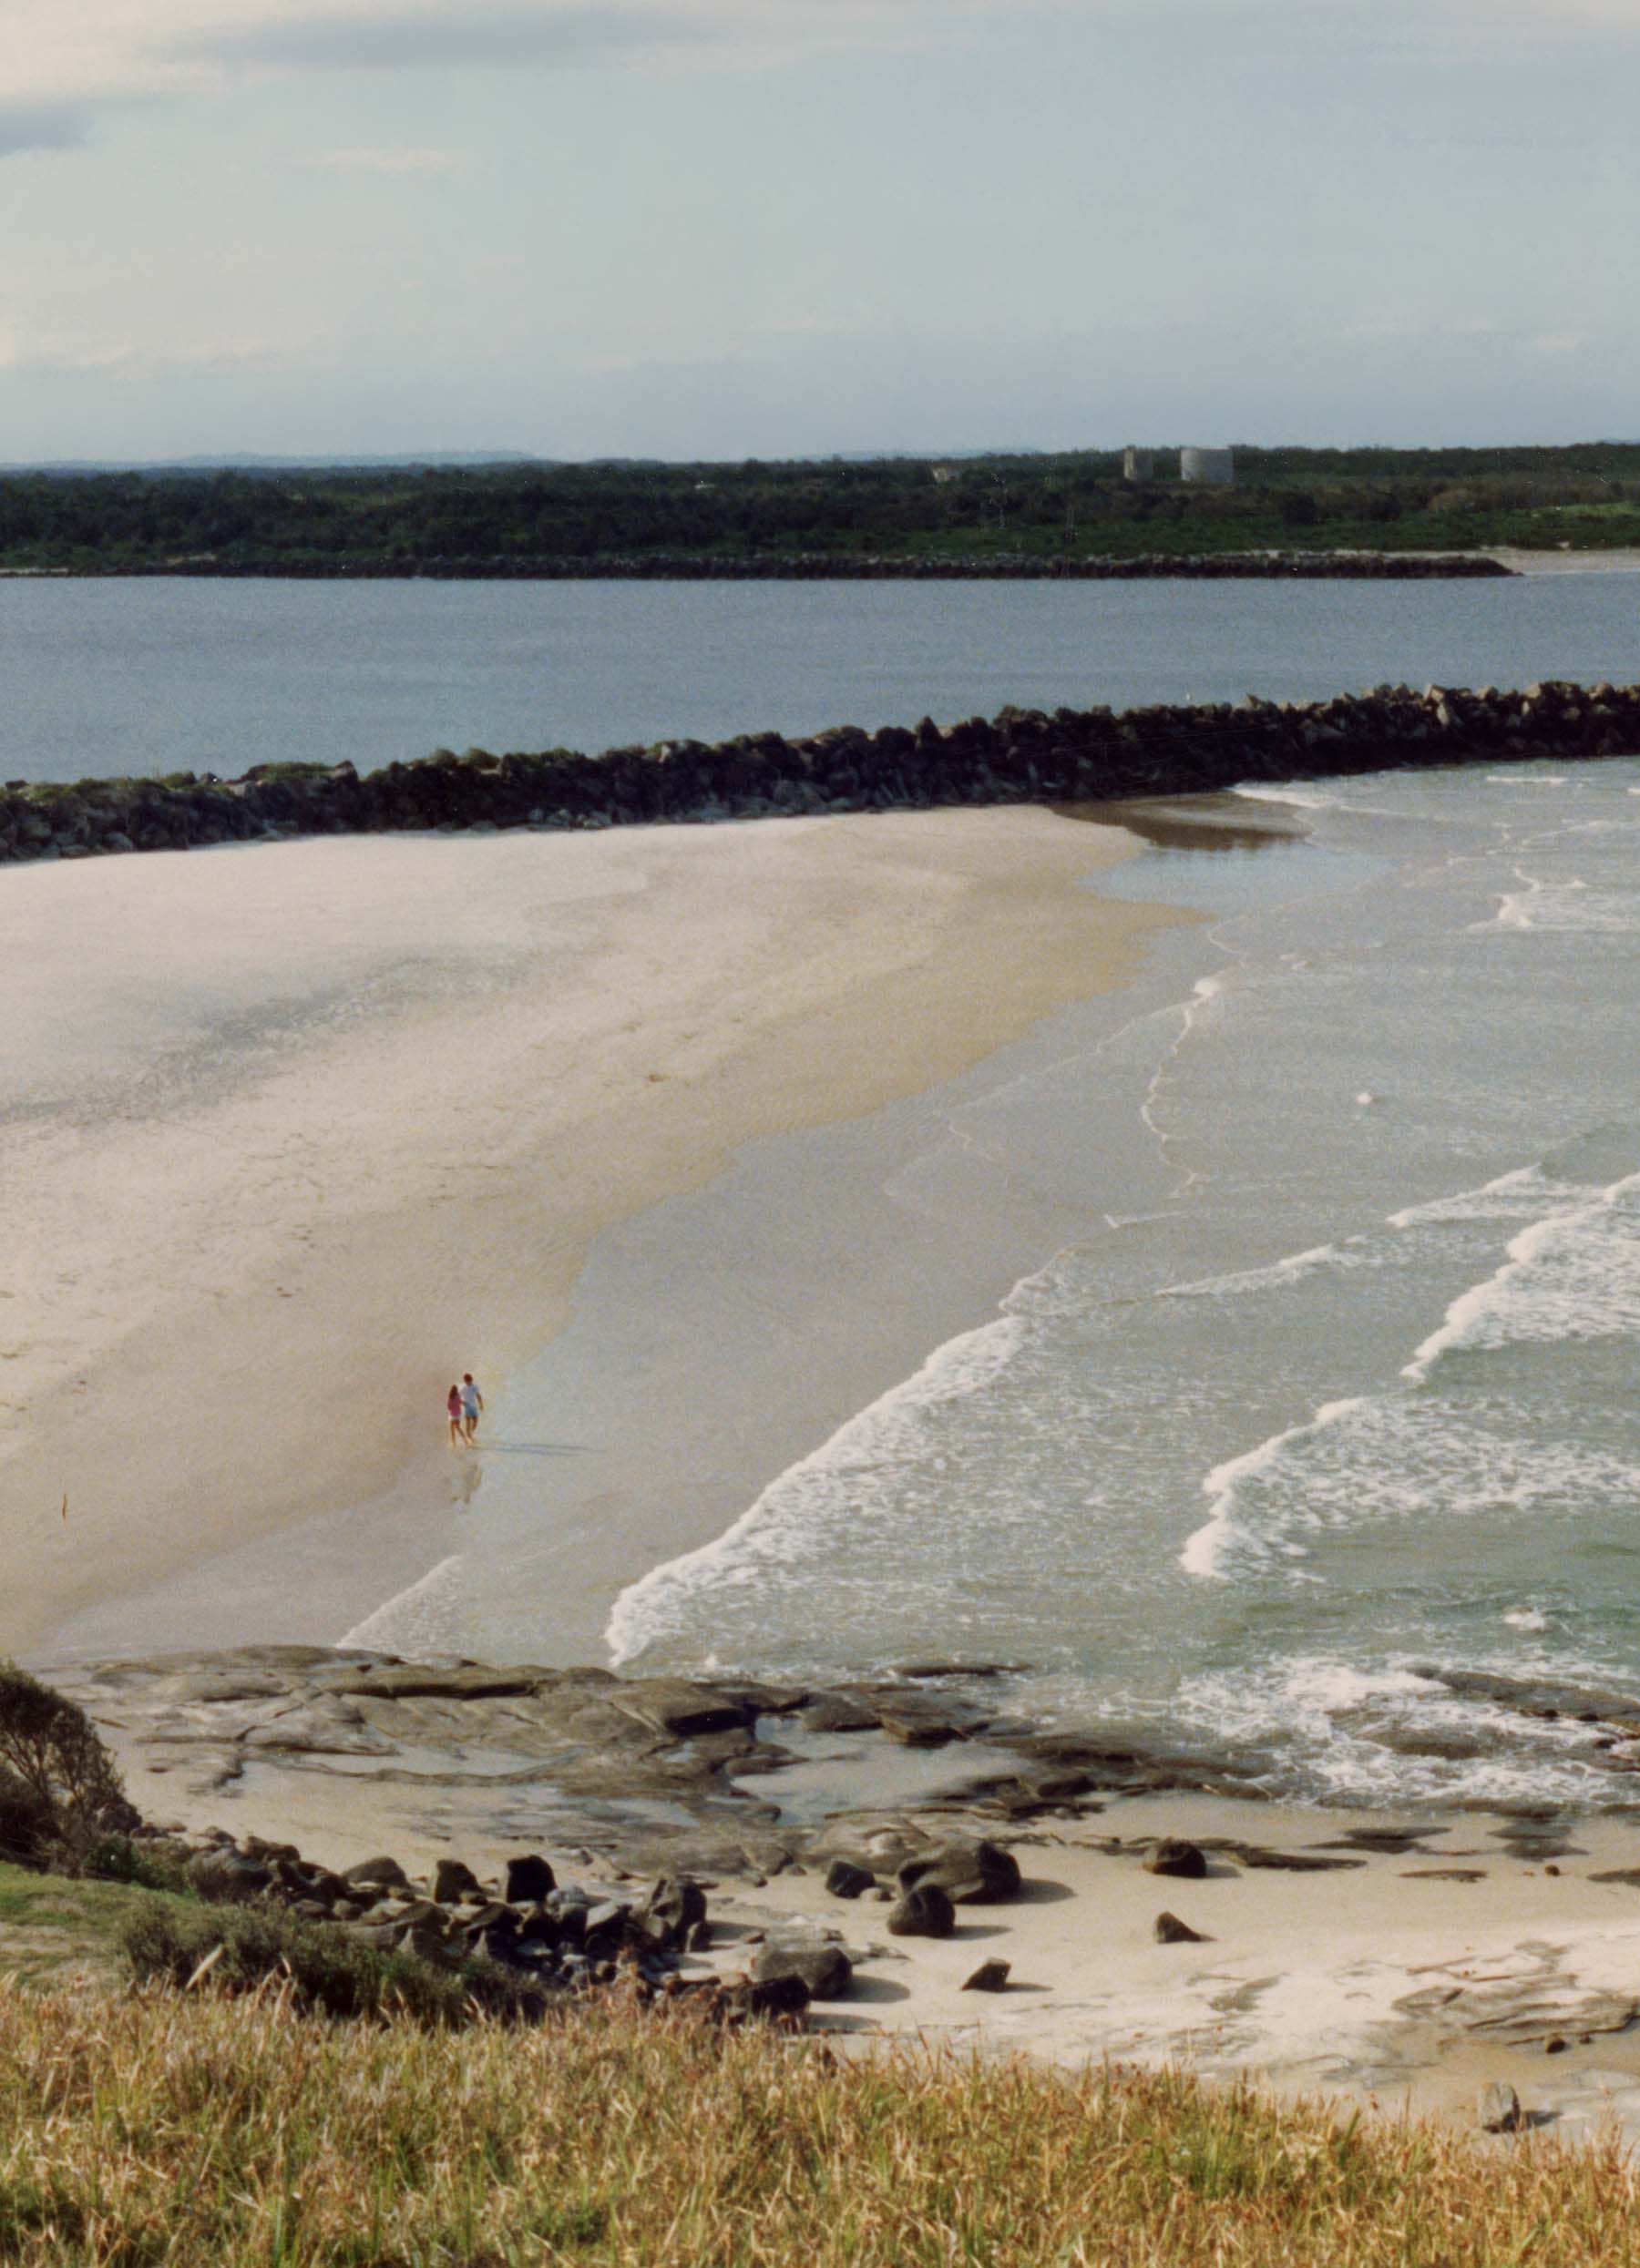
1207 468
1138 467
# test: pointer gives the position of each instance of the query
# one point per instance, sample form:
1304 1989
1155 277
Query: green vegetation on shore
167 2127
554 517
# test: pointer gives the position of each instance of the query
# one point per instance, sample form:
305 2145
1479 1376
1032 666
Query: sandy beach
295 1134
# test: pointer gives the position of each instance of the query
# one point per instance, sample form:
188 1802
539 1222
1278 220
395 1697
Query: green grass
190 2128
164 2128
51 1926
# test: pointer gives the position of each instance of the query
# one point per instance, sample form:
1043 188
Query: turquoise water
164 675
1337 1379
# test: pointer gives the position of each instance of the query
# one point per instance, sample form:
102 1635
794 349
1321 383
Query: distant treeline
501 519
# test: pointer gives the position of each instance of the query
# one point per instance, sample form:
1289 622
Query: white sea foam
1524 1188
1574 1275
1279 1275
411 1620
1343 1729
1569 906
1205 1554
1526 1619
814 1499
1304 799
1382 1460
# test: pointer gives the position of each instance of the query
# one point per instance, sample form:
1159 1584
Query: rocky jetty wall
1019 756
825 567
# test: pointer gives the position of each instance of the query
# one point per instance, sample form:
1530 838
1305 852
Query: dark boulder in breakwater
1019 756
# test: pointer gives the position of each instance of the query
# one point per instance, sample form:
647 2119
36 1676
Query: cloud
505 35
64 59
391 161
40 126
63 358
55 355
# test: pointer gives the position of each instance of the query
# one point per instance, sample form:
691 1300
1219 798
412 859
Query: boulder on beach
924 1911
529 1879
452 1881
825 1969
1173 1856
673 1909
970 1873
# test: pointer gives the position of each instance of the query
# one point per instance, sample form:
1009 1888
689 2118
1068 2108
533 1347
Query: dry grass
188 2129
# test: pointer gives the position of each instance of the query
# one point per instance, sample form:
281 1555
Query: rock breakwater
1019 756
831 566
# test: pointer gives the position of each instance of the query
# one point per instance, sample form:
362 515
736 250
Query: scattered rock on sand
673 1909
452 1881
989 1976
529 1878
970 1873
925 1911
1175 1857
844 1879
377 1874
770 1996
1172 1931
1498 2108
825 1969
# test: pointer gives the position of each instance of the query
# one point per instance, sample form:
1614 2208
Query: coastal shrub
238 1949
58 1784
118 1858
28 1823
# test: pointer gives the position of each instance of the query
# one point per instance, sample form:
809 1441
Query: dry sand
292 1134
1614 562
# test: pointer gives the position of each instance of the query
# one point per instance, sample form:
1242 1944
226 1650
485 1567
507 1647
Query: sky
771 227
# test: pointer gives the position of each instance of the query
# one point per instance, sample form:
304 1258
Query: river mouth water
159 675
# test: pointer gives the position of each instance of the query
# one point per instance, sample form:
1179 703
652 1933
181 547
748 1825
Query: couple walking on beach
463 1403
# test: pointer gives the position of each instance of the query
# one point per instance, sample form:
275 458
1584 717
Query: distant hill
433 460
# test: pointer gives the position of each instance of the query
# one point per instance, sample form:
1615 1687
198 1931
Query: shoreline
362 1093
391 1120
1400 1963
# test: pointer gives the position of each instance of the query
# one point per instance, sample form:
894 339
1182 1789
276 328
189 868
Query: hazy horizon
455 460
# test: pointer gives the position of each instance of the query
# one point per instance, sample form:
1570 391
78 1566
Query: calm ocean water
1339 1379
167 675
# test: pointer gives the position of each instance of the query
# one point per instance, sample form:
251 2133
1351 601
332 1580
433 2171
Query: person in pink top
453 1404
